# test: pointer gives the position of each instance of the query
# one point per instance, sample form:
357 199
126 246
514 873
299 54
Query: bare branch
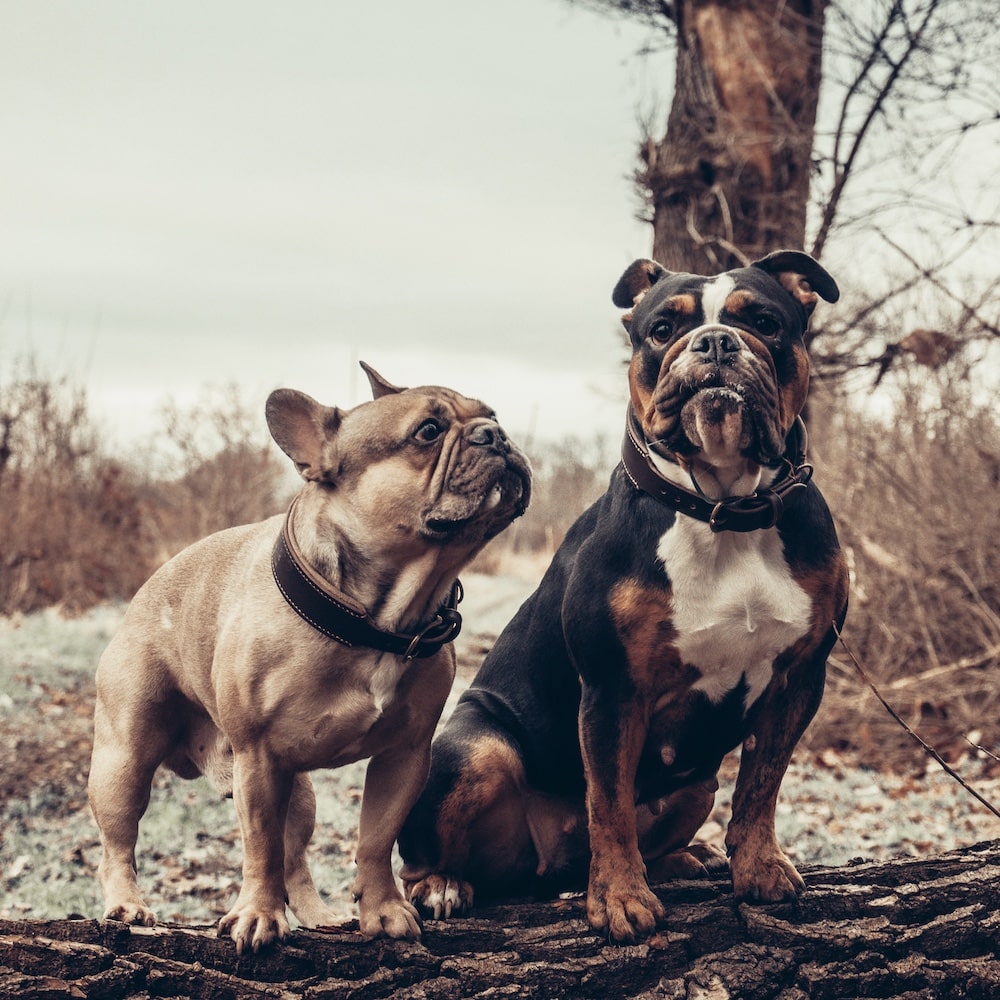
878 54
656 13
928 749
930 275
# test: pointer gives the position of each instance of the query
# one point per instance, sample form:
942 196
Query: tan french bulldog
313 640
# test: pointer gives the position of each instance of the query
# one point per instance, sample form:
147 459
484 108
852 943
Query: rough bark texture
730 180
925 929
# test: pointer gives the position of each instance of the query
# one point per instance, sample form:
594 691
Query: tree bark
730 180
917 929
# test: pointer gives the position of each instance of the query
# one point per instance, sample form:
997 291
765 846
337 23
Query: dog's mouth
442 527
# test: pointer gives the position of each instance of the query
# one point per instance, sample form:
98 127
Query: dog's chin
465 520
717 421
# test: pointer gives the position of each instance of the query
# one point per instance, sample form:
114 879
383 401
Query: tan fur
828 591
798 286
642 617
494 773
682 305
212 672
792 396
619 900
739 300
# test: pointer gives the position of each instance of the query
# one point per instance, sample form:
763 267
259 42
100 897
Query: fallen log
919 929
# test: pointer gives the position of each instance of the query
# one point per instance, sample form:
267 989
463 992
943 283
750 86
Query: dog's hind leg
667 828
303 899
471 829
121 773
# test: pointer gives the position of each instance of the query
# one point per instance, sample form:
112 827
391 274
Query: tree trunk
921 930
730 180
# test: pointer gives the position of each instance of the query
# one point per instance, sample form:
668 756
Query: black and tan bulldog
689 610
313 640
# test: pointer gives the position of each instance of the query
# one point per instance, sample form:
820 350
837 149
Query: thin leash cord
928 749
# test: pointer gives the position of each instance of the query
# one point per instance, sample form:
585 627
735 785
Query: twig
927 747
976 746
965 663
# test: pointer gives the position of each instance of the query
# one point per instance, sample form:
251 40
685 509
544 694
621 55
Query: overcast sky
195 193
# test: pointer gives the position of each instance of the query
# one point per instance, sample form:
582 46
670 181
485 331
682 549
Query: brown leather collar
341 618
761 509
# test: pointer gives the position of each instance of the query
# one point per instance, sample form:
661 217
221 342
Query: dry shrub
916 501
215 466
72 525
78 527
567 476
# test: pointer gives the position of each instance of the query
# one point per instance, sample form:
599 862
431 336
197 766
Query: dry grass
917 500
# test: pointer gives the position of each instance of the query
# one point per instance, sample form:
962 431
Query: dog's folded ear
801 276
304 430
639 278
380 387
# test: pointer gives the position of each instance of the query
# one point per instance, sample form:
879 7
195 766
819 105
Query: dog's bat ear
304 430
639 278
380 387
801 276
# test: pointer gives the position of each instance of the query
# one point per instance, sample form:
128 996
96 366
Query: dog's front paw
440 896
770 878
131 912
253 927
393 918
624 909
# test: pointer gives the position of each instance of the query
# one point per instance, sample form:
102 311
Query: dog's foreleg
261 792
392 784
761 871
619 900
304 900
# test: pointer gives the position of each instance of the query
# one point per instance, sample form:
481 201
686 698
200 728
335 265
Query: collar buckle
446 625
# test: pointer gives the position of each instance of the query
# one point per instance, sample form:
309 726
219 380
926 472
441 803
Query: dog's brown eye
661 332
428 431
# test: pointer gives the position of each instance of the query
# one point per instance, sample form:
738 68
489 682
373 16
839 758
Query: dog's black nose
488 435
716 345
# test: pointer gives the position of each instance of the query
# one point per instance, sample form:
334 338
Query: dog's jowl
688 611
308 640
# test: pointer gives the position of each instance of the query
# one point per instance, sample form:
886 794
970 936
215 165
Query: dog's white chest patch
384 680
736 606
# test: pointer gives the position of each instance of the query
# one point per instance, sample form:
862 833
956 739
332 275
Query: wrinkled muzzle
486 484
717 391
